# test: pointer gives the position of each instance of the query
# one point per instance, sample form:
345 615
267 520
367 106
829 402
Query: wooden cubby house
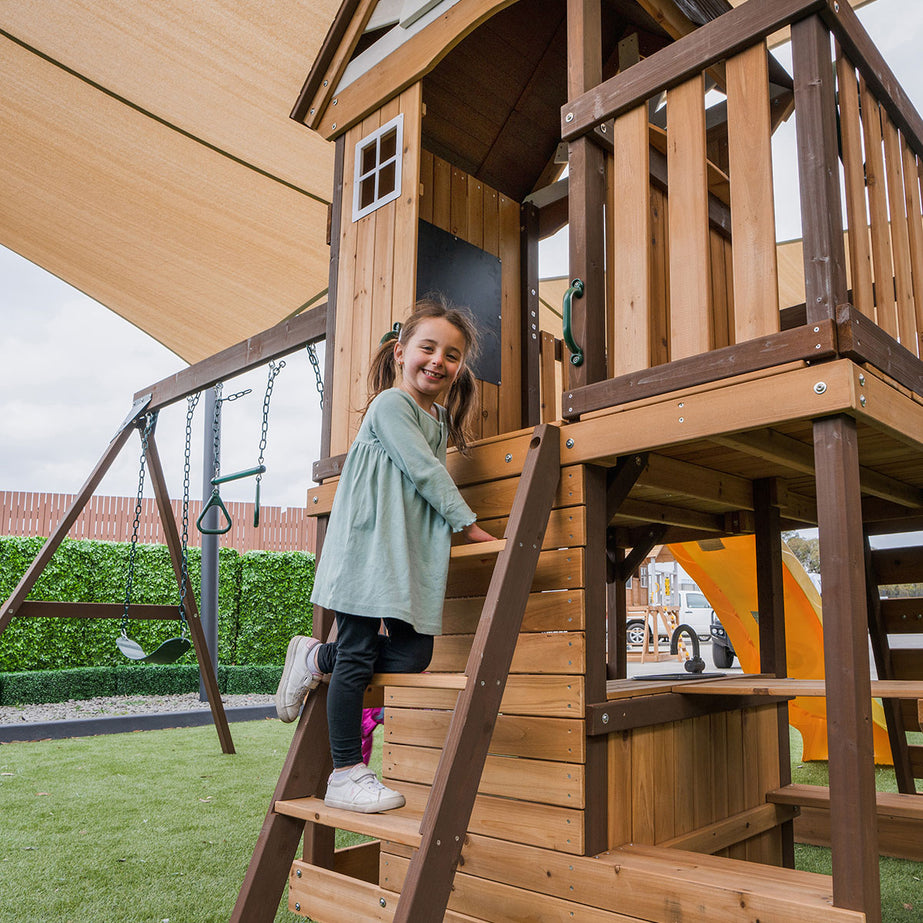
690 404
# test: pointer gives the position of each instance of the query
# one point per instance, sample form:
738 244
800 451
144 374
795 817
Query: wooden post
426 889
530 330
771 608
853 812
597 514
617 610
818 169
336 213
587 198
174 546
302 775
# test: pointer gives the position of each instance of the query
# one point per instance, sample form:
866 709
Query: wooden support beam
818 170
735 829
646 540
34 571
812 342
586 199
429 879
303 774
647 710
34 608
622 478
854 847
771 608
286 337
529 315
771 445
174 547
616 610
671 515
697 481
336 217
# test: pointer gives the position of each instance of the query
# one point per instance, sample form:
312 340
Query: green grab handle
256 506
214 500
575 291
259 469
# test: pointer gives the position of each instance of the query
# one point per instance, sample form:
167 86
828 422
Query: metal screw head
820 387
298 873
605 718
569 443
509 457
382 902
862 400
861 379
297 906
569 117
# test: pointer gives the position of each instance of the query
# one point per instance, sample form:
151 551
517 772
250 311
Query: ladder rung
421 680
478 549
398 826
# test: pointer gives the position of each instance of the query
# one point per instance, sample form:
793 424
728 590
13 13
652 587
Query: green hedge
25 688
263 599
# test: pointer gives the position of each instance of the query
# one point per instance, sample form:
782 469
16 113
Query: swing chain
145 425
274 370
191 403
216 425
312 355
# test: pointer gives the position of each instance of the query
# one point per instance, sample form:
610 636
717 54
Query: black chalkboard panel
468 277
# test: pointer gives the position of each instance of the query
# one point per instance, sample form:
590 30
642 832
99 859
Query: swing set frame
284 338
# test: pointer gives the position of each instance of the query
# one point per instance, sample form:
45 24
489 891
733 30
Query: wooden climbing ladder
297 806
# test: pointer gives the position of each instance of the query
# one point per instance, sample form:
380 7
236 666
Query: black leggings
358 652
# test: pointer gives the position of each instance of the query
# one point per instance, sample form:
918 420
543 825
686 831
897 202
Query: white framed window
377 178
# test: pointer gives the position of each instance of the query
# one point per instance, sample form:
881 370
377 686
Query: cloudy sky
70 366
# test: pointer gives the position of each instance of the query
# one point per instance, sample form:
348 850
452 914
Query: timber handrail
818 796
758 685
730 33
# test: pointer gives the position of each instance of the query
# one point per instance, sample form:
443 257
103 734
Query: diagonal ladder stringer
425 893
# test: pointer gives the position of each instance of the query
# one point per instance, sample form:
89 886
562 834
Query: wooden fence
110 519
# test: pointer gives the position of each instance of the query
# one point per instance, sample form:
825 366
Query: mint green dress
386 551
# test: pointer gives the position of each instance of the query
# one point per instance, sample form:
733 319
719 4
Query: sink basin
677 676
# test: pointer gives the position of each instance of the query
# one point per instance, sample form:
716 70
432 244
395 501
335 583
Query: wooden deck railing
691 272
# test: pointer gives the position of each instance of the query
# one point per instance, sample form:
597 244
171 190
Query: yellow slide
725 571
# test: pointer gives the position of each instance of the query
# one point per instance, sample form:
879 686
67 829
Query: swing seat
168 652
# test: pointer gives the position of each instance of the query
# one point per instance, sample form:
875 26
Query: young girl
386 551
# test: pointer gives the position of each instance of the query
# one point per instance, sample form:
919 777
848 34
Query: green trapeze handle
575 291
214 500
259 469
256 506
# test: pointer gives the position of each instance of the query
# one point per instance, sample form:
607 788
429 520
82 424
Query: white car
695 612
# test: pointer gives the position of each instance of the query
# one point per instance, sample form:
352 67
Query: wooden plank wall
377 268
883 209
471 210
684 776
532 789
680 288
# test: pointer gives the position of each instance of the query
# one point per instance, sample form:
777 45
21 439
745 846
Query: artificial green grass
901 879
160 825
134 828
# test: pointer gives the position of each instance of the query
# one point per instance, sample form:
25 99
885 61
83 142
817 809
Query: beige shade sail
147 158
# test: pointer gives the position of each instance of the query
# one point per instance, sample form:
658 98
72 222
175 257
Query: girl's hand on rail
474 533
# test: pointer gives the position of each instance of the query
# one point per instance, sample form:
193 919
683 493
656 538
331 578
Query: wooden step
399 826
333 898
900 819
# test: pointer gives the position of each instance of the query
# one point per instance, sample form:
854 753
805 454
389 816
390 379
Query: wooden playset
690 403
541 783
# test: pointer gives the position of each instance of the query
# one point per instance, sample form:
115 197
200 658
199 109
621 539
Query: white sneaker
360 790
296 680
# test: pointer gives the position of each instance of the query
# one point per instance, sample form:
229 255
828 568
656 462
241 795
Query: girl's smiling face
430 360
